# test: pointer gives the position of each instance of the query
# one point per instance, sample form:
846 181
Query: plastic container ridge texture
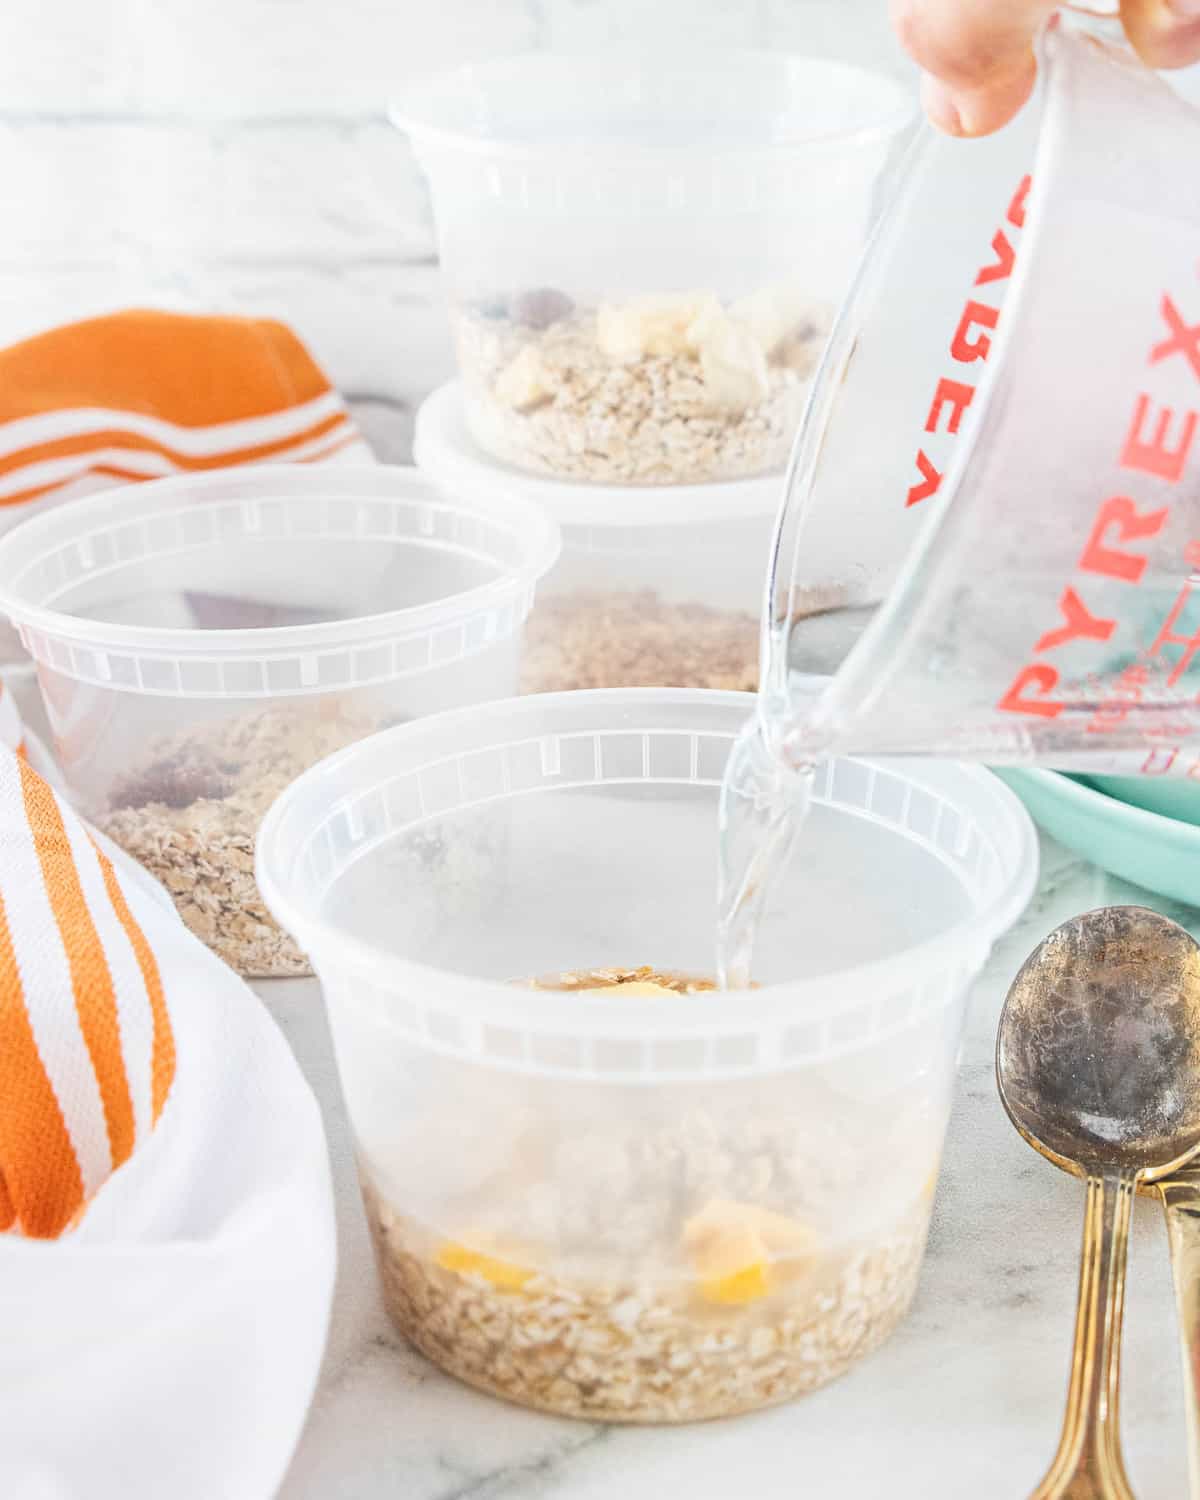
683 1193
648 591
642 261
199 641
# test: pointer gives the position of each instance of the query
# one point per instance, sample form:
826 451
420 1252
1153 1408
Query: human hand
977 55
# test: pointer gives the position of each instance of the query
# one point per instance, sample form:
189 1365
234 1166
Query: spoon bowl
1098 1054
1098 1066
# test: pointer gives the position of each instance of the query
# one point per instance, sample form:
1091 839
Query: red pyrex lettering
971 343
1157 442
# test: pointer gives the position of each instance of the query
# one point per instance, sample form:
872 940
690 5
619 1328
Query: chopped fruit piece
502 1274
722 1249
782 1235
526 382
729 1258
746 1285
774 314
651 325
779 1233
735 1247
732 365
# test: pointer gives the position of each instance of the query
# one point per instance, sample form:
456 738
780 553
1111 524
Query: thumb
977 56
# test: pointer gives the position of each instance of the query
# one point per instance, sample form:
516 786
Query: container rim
95 515
415 113
762 1009
445 450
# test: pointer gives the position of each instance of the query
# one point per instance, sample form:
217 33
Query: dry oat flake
674 389
636 639
190 812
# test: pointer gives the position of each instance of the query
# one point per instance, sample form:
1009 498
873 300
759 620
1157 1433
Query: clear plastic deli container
661 589
594 1185
643 250
200 641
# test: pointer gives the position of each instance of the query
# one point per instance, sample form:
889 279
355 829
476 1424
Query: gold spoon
1181 1202
1098 1063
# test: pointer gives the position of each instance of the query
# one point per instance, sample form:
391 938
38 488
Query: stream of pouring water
765 798
763 806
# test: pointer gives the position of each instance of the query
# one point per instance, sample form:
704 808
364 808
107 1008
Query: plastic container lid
445 450
117 589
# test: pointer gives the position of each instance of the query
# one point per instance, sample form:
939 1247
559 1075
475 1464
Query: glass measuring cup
991 535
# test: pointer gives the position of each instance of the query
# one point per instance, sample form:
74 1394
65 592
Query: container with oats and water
595 1185
200 641
643 251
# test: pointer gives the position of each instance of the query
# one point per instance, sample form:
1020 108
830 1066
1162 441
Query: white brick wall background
234 154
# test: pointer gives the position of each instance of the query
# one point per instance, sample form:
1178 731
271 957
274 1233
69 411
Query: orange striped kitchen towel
140 394
87 1050
167 1243
165 1203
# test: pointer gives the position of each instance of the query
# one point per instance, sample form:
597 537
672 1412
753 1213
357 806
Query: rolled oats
666 1356
660 390
636 639
710 1293
190 812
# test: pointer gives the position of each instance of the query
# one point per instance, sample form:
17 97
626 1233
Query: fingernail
940 106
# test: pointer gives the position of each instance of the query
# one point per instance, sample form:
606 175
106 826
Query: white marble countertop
965 1401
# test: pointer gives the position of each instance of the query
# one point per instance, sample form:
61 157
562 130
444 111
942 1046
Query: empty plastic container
643 250
200 641
605 1199
659 589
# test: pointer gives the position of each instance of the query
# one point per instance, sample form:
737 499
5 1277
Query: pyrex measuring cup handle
1181 1203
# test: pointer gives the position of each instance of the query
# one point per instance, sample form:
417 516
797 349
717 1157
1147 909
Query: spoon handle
1181 1202
1088 1464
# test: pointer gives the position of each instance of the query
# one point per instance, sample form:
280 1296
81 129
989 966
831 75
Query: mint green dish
1160 853
1173 796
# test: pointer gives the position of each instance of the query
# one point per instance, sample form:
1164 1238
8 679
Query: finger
1166 33
978 111
978 55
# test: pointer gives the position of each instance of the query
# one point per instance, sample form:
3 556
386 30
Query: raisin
172 782
540 307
